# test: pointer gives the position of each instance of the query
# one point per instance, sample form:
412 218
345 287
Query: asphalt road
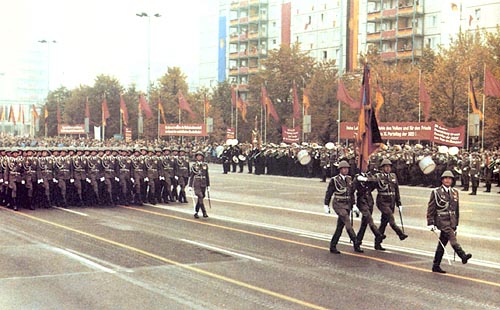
264 246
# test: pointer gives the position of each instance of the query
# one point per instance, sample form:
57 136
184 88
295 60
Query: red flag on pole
379 100
207 106
343 96
123 110
105 111
34 112
184 105
20 116
368 132
491 85
144 106
473 100
296 106
425 99
305 101
162 112
266 101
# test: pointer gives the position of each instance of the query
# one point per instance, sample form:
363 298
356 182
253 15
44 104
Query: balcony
386 56
233 38
409 54
233 71
243 37
373 16
408 11
243 70
389 35
234 55
253 70
243 20
373 37
233 22
389 13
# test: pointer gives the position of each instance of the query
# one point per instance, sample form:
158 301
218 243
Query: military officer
138 175
79 163
199 181
166 173
182 171
443 215
151 163
62 174
45 174
474 173
387 199
341 187
125 174
109 167
13 178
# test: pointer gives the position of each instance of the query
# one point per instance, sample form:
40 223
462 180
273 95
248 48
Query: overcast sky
102 36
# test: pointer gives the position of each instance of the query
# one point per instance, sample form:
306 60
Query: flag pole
158 123
468 116
484 102
419 85
303 113
103 121
236 114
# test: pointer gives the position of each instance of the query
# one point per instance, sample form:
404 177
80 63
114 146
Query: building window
325 55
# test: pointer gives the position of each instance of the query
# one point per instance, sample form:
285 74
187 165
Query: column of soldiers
39 177
469 168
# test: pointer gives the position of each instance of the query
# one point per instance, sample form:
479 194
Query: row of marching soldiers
88 176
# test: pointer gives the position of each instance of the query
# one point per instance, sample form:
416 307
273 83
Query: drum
330 146
427 165
218 150
453 150
235 159
304 157
242 157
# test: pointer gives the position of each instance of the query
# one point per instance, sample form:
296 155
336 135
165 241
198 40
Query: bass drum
427 165
218 150
304 157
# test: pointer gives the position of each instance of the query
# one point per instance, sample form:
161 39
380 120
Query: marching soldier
387 199
108 163
166 172
29 176
341 187
93 166
182 166
364 202
62 175
45 174
125 174
199 180
138 176
174 177
151 163
13 179
465 167
443 215
474 174
79 163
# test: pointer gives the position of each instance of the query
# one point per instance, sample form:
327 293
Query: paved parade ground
265 245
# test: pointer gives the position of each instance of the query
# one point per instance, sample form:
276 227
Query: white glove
355 209
117 179
23 181
400 208
132 180
1 180
146 179
102 179
176 177
456 229
327 209
161 178
362 178
190 188
432 227
54 180
208 188
72 180
40 181
6 182
88 180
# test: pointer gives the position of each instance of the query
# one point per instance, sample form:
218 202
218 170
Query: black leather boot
461 253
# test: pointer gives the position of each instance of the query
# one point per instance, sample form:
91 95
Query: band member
342 188
443 214
199 180
387 199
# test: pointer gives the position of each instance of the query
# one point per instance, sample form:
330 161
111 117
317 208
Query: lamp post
140 120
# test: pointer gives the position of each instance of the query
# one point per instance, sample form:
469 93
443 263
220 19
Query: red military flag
424 98
3 117
105 111
20 115
296 106
46 115
368 132
123 110
491 85
268 104
207 106
144 106
343 96
184 105
472 97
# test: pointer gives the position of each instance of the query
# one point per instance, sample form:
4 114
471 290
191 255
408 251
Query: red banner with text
191 130
290 135
64 129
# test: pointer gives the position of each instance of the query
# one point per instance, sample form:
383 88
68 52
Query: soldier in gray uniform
125 174
182 166
151 162
29 177
341 187
45 174
13 179
93 172
79 163
387 199
62 175
138 176
166 171
443 215
199 181
109 167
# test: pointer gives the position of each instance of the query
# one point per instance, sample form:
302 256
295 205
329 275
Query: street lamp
144 14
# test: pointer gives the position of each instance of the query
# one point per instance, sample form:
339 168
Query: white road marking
71 211
82 260
203 245
321 236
